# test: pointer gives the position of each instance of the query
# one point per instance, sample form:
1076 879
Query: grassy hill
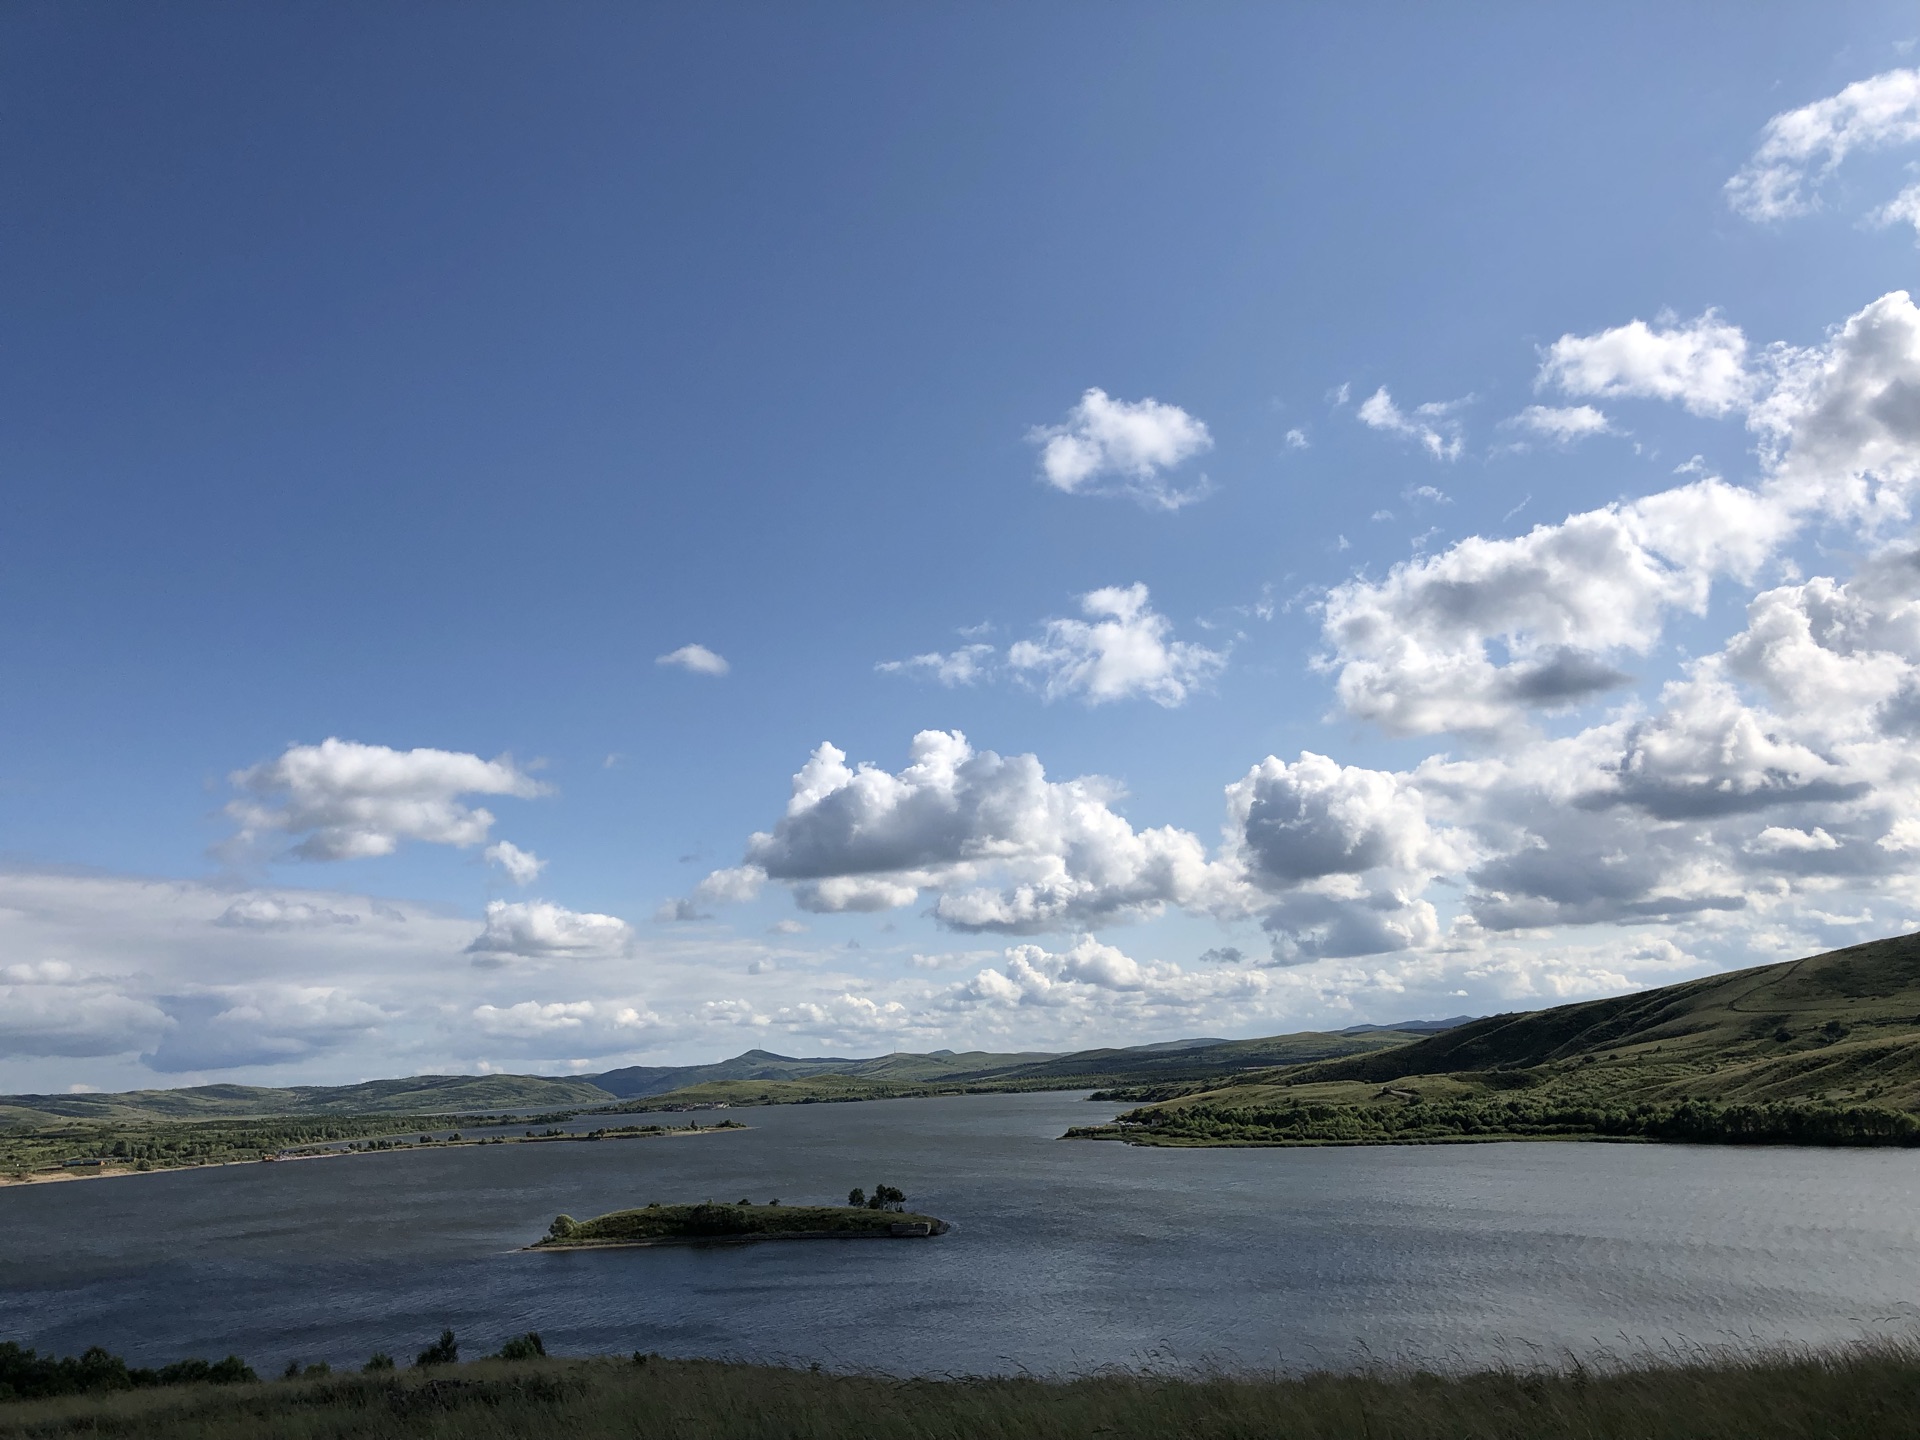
1144 1067
1148 1064
635 1081
416 1095
1825 1050
756 1077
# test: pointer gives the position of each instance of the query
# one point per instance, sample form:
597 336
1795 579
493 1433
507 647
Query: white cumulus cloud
1095 982
1344 851
1474 637
1121 649
522 867
695 658
1005 848
346 801
1108 446
1701 363
535 929
575 1027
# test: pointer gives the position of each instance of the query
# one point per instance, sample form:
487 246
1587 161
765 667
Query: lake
1065 1255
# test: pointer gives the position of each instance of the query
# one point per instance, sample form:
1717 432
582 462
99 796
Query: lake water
1065 1256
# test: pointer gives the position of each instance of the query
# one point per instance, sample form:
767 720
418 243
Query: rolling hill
756 1077
417 1095
1191 1063
1773 1052
635 1081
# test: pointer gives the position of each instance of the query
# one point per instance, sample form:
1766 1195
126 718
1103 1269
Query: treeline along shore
1865 1392
79 1150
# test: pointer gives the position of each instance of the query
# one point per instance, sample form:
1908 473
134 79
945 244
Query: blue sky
419 385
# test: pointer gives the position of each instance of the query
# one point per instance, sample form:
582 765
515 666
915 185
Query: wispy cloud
1434 424
1800 148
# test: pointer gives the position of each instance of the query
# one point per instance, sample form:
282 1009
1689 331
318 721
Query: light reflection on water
1065 1256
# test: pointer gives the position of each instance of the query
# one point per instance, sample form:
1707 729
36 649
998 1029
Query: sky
552 537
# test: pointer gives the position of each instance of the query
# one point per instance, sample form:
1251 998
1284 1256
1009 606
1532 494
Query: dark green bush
26 1375
1699 1122
523 1347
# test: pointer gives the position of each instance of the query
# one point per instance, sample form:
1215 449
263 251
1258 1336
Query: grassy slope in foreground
1859 1394
1824 1050
693 1224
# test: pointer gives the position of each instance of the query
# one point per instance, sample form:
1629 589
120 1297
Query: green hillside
635 1081
1821 1050
1146 1068
417 1095
756 1077
1148 1064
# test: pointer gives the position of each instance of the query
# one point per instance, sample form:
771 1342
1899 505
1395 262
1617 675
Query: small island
744 1223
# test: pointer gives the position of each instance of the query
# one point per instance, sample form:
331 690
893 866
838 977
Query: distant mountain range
1170 1060
1412 1027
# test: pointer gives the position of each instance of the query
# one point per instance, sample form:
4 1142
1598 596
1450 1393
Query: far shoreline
118 1172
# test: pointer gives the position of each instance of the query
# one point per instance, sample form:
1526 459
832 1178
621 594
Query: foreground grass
1862 1392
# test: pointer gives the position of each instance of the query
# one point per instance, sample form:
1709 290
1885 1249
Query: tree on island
886 1197
856 1197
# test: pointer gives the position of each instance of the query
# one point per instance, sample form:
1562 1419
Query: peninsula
1820 1051
742 1223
